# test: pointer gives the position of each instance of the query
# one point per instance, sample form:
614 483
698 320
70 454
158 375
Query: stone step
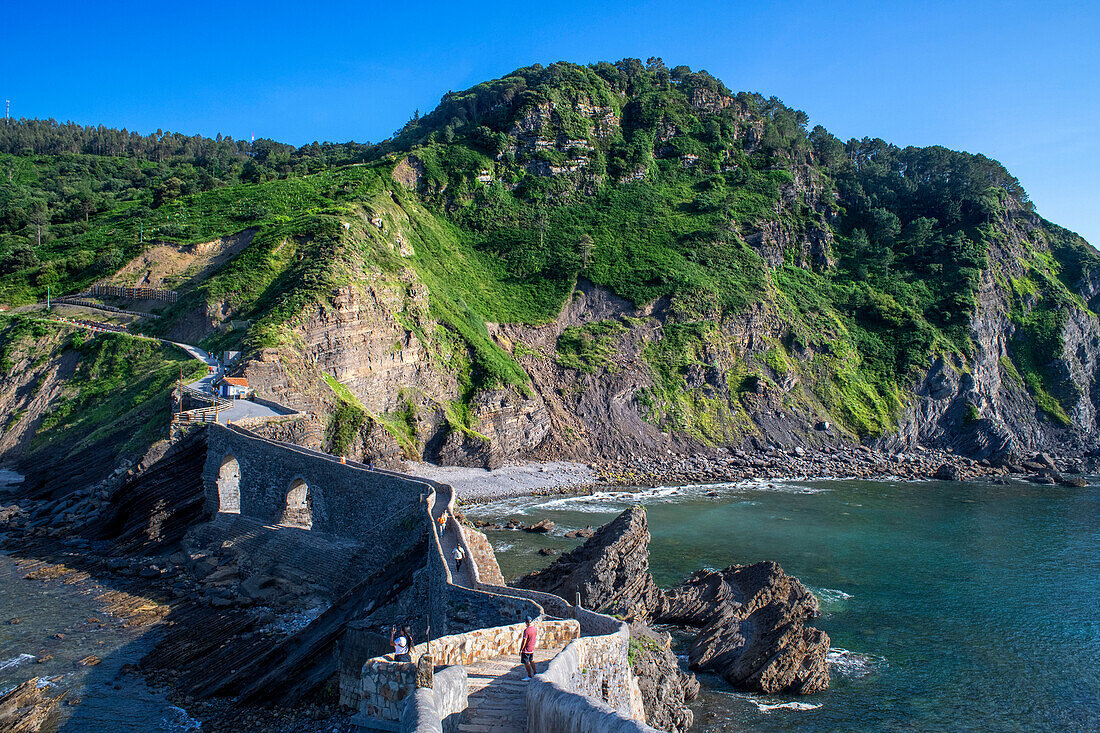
509 723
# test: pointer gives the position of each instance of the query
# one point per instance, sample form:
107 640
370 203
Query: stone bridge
586 683
282 484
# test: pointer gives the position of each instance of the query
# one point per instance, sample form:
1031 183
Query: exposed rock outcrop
753 632
153 509
666 689
610 570
752 619
29 709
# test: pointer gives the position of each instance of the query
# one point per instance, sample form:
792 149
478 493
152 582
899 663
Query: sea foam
852 664
15 661
180 721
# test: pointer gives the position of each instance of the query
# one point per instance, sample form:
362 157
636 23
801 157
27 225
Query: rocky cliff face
610 570
752 622
378 340
981 406
685 372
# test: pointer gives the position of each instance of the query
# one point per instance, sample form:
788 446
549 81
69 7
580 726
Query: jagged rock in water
666 689
610 570
29 709
753 632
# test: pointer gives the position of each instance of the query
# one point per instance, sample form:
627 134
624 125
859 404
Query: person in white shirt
458 555
401 644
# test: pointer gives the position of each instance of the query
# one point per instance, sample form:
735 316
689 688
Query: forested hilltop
586 261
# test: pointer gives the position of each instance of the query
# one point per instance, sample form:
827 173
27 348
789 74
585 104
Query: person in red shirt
527 648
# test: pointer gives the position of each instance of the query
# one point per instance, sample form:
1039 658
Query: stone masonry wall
345 500
587 687
385 684
383 687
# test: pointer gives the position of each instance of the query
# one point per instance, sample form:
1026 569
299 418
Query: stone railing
475 646
252 422
588 686
384 684
551 604
437 709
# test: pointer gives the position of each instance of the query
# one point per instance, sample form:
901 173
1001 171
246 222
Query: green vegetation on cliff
118 393
659 184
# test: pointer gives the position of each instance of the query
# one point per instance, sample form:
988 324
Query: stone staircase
498 694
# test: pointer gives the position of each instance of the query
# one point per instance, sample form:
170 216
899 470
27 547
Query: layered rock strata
610 571
752 620
753 630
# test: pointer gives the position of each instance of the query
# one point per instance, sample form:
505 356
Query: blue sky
1019 82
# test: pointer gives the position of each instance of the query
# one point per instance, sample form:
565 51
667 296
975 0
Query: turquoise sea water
951 606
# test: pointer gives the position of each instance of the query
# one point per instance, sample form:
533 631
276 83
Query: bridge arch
229 485
299 506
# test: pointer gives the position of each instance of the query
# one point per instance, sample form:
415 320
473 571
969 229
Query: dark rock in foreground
752 628
610 570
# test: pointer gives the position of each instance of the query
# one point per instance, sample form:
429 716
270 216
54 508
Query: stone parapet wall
251 422
552 605
421 714
437 709
588 687
598 624
345 500
469 609
475 646
384 684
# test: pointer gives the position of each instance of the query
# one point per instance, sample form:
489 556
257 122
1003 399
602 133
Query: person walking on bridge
458 555
442 523
527 642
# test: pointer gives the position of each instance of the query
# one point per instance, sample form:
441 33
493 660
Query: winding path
497 694
239 410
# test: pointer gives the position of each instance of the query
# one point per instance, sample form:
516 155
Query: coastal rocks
610 571
947 472
753 631
541 527
751 619
772 462
666 689
154 509
29 708
482 556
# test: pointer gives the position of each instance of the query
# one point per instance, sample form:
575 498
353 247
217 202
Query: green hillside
656 183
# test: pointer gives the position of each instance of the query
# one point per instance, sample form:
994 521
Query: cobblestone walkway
498 694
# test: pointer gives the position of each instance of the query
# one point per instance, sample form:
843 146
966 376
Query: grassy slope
119 394
511 251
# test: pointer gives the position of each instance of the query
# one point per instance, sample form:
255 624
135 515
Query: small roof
236 381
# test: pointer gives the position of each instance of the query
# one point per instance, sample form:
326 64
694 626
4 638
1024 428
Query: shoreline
570 478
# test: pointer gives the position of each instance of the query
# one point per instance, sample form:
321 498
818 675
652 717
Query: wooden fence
121 291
